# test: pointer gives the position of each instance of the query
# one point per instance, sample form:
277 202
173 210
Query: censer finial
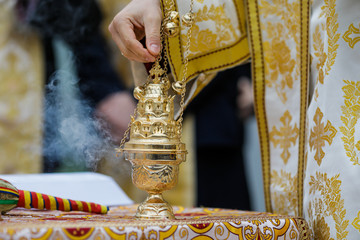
154 149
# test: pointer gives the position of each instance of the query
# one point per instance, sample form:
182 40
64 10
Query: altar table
120 223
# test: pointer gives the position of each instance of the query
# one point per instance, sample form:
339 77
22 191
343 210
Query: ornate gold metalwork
187 19
178 87
172 23
154 149
174 16
172 29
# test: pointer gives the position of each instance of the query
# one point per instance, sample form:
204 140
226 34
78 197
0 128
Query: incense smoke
72 135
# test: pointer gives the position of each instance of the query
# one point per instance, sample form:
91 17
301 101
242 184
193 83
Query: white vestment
304 57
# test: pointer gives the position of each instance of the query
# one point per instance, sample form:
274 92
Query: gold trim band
304 84
258 76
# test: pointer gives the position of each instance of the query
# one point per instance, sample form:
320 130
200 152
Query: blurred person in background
98 81
28 61
220 111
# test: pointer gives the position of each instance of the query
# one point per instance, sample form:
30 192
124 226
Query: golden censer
154 149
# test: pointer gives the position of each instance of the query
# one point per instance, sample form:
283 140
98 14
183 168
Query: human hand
138 19
245 98
114 114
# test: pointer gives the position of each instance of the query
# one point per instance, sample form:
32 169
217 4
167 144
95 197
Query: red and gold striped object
11 197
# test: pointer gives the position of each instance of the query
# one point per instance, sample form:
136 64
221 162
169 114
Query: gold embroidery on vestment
349 35
286 199
279 40
350 116
332 26
258 74
319 134
320 54
285 136
356 222
203 40
326 59
330 204
21 92
280 57
319 227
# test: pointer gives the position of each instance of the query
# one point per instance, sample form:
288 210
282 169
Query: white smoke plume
72 135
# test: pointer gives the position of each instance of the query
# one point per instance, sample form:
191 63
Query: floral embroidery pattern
286 10
325 60
332 26
285 136
351 114
286 197
319 134
349 35
320 55
280 56
203 40
279 63
330 204
318 225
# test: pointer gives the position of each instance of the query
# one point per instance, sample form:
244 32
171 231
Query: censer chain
186 62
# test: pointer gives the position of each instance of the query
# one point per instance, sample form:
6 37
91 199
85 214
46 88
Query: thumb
152 32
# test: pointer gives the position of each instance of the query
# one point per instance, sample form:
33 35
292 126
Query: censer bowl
155 173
